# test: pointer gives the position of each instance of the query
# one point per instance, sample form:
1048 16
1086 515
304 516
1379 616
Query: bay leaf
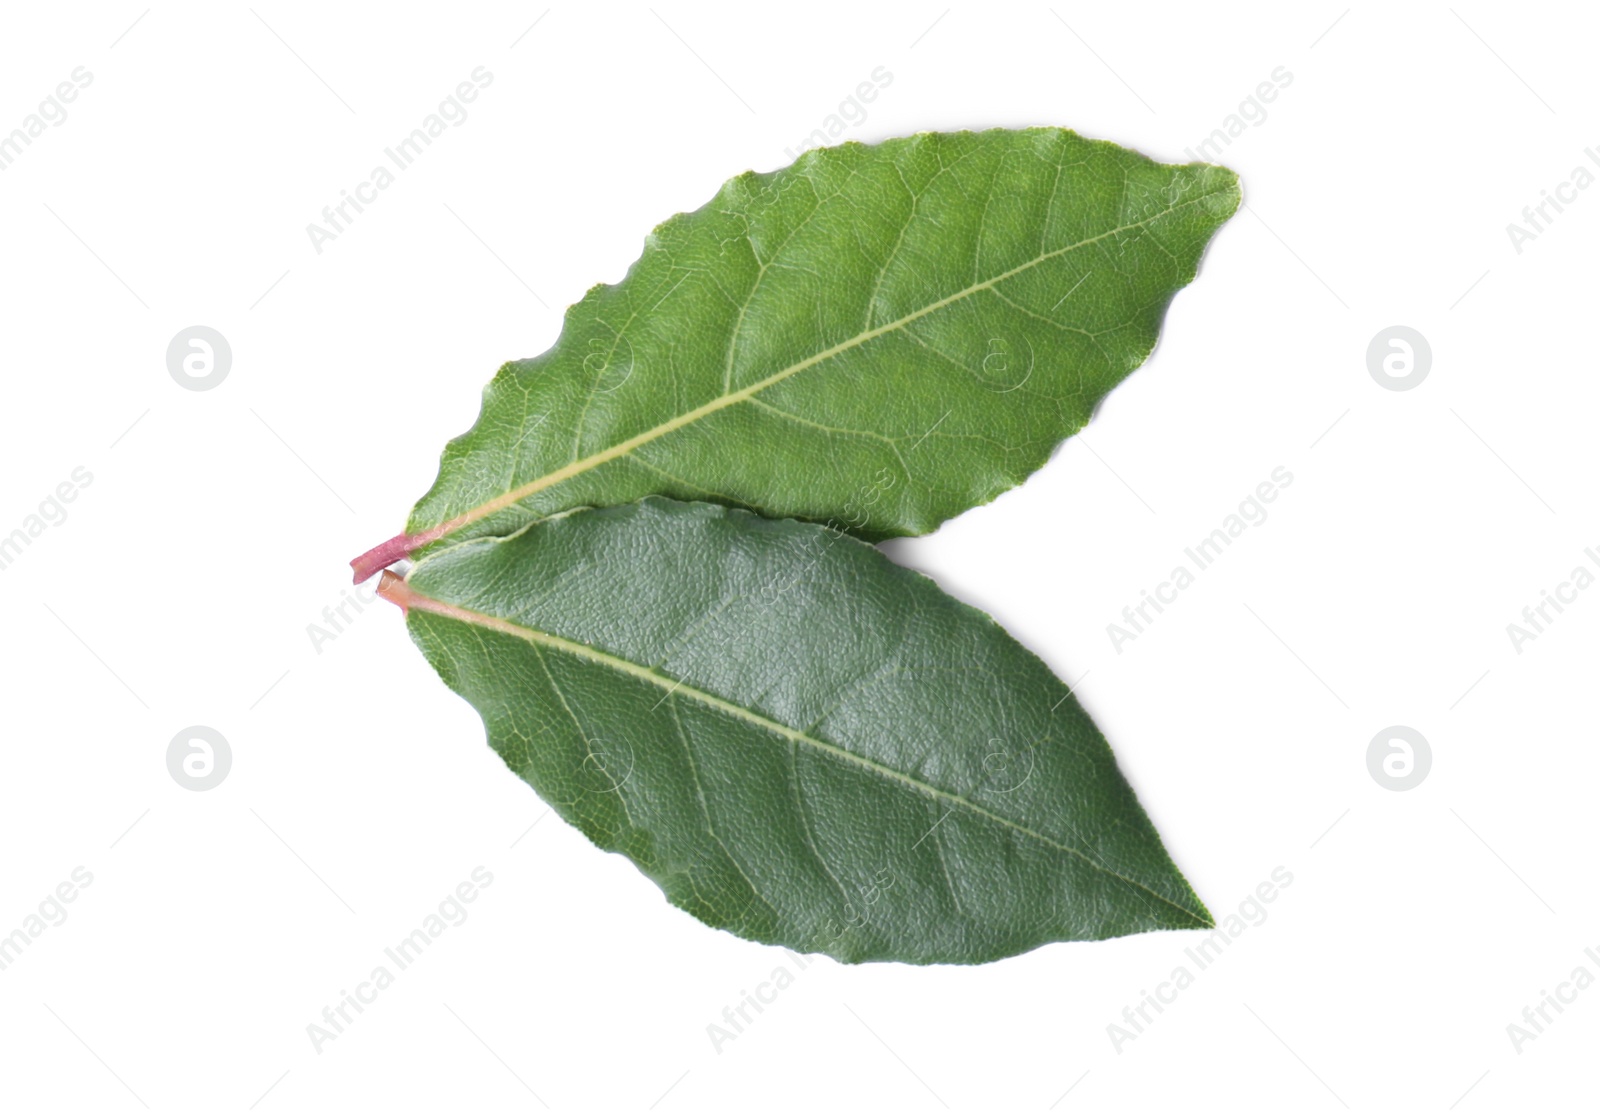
944 307
799 741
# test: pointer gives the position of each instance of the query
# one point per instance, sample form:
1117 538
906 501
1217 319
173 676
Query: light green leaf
799 741
945 308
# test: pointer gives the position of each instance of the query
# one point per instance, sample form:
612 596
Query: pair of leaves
802 743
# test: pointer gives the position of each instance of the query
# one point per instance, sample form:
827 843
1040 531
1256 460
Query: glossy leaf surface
799 741
946 307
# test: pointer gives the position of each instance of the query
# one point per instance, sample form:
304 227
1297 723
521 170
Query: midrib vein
411 599
729 399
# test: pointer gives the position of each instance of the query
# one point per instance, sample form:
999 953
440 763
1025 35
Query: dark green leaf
797 740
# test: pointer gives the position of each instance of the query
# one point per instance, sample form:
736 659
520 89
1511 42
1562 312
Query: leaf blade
810 328
781 772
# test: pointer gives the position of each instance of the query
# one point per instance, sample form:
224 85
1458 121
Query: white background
180 588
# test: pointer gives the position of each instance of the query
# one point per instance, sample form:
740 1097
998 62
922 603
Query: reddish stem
392 588
397 548
374 560
393 550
